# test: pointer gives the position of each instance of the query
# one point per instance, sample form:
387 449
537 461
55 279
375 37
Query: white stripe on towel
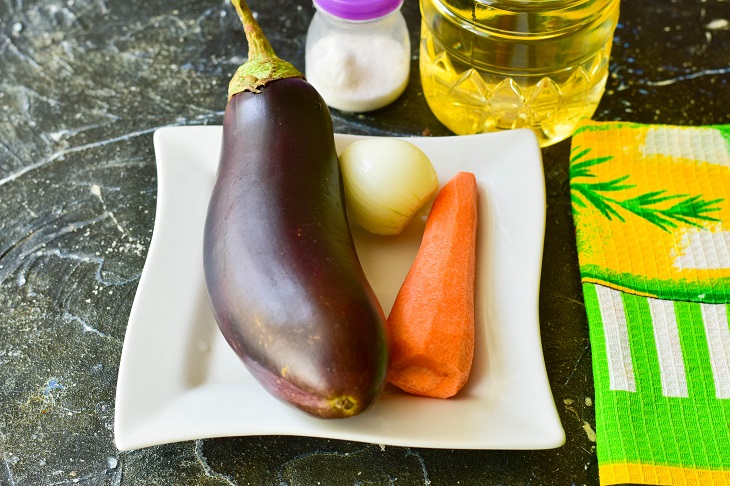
718 343
668 348
620 369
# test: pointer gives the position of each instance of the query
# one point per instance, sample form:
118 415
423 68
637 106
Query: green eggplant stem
263 65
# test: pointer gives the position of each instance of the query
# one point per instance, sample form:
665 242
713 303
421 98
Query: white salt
357 73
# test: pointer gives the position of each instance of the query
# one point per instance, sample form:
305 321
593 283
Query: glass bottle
357 53
489 65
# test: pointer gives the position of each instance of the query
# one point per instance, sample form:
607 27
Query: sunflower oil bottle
490 65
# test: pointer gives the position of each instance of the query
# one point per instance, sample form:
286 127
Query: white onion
387 181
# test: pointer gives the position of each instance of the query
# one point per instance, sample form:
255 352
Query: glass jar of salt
358 53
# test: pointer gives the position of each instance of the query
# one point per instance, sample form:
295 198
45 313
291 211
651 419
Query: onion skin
286 286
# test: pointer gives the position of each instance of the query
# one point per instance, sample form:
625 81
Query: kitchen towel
651 206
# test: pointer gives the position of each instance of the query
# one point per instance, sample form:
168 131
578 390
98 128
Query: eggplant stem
263 65
258 45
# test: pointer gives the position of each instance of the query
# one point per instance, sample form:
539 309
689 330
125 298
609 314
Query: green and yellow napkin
651 205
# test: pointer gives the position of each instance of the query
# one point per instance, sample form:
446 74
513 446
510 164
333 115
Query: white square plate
179 380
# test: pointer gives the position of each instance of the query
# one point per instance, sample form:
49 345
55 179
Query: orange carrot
431 325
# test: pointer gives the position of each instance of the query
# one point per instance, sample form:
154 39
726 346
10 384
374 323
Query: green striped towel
651 206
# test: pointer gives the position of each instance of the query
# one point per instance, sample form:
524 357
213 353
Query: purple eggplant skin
286 286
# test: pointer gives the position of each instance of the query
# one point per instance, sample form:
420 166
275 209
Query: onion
386 181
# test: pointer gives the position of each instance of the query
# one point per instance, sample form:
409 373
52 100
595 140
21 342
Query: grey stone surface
84 84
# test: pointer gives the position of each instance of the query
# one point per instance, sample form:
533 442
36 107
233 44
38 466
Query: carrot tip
424 376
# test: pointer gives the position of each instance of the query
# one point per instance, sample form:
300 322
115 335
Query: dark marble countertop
83 86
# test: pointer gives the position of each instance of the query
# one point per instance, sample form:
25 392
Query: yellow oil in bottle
489 66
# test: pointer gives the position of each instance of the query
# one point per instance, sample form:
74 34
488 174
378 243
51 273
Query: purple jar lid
358 9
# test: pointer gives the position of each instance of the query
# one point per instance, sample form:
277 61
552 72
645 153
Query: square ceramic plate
179 380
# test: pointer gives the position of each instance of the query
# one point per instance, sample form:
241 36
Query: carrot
431 325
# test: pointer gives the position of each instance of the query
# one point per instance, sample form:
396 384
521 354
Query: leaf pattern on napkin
651 206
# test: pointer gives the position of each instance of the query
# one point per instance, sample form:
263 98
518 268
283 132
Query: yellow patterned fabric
650 203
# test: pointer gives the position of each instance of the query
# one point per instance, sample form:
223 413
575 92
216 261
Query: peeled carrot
431 325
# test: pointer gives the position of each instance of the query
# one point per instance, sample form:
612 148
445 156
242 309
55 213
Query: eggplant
285 283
